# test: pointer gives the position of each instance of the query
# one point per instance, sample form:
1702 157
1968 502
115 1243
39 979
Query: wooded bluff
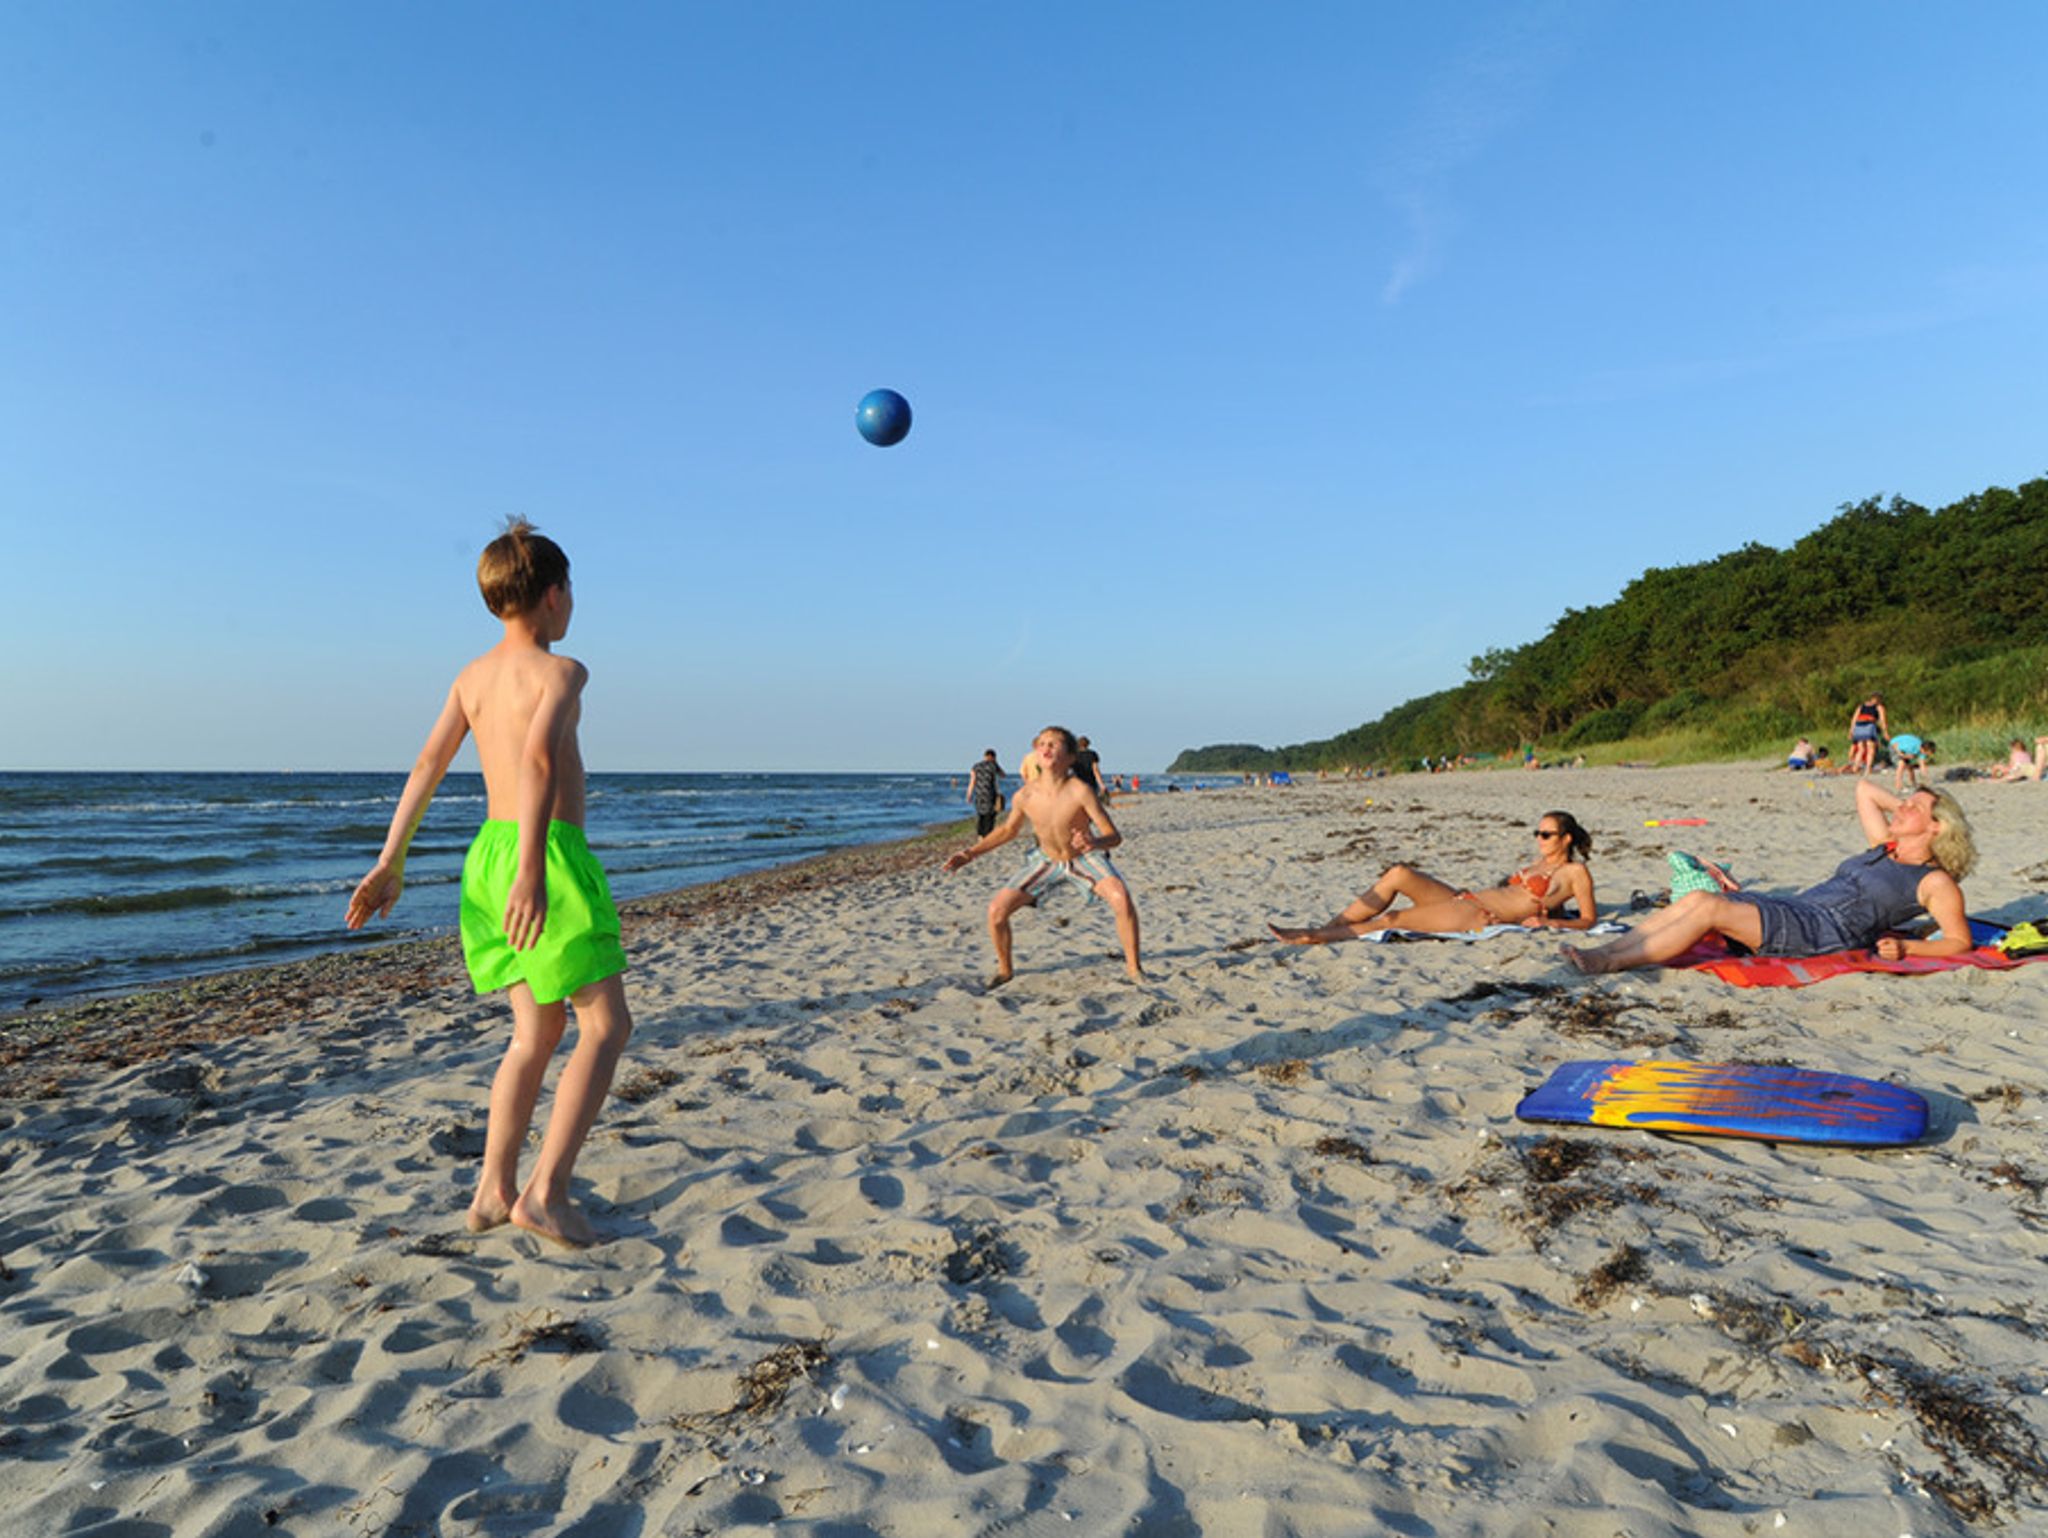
1942 612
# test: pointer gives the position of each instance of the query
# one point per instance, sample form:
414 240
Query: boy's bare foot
1136 974
1294 936
487 1212
562 1223
998 979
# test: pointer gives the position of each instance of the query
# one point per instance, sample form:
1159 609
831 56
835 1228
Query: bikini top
1535 882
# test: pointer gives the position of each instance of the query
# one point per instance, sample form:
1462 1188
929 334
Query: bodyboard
1793 1105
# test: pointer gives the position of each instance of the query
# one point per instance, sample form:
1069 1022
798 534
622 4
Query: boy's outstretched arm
526 908
996 837
377 892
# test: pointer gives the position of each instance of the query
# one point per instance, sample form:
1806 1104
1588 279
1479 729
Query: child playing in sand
1912 754
1072 830
537 914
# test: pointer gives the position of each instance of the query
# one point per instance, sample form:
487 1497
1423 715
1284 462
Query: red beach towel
1712 955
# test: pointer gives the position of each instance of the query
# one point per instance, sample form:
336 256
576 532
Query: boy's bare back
515 699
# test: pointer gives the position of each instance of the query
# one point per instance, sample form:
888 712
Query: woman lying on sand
1921 848
1530 896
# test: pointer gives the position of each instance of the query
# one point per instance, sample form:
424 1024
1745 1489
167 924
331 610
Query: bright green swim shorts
579 944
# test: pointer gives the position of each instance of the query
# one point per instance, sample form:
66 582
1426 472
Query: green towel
1689 875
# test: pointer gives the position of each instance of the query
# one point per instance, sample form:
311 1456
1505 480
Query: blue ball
883 418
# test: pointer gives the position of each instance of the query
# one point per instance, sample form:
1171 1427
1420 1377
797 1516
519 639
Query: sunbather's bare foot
1586 959
489 1210
996 980
1295 936
560 1223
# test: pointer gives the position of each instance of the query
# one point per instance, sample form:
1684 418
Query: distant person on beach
1910 754
1920 850
1867 727
1071 830
537 914
985 791
1533 896
1088 767
1801 756
2018 764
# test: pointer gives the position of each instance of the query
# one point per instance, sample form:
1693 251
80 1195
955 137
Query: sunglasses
1550 833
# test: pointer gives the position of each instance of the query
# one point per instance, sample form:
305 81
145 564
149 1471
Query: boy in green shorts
537 915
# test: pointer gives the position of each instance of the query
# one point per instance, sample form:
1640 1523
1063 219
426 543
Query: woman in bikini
1533 896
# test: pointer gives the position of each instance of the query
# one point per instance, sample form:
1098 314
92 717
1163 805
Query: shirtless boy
537 914
1072 830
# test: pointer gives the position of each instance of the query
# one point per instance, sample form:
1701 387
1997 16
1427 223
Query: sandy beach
1256 1248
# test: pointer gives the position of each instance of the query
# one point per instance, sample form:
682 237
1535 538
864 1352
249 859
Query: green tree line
1943 612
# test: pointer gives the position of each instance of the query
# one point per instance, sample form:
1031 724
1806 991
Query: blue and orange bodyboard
1793 1105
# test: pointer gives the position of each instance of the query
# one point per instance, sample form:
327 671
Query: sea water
111 882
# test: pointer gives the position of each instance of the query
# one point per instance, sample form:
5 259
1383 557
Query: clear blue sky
1269 362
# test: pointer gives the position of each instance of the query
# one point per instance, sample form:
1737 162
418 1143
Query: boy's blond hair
518 567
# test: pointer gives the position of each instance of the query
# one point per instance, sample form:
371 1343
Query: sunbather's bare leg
1359 916
1671 933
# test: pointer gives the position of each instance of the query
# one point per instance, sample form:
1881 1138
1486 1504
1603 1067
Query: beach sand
1256 1248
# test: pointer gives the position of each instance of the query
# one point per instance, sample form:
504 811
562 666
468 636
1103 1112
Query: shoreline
45 1049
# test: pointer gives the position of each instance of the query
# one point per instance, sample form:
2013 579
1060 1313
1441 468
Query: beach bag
2027 939
1689 875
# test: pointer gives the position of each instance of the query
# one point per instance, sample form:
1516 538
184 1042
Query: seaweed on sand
1624 1268
644 1085
569 1337
763 1385
1344 1148
1966 1429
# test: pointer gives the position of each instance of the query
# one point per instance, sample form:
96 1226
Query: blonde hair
518 567
1954 849
1031 768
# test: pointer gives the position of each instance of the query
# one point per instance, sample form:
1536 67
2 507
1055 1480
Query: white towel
1490 932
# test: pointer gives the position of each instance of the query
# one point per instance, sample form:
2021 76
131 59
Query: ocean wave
121 864
85 806
174 899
